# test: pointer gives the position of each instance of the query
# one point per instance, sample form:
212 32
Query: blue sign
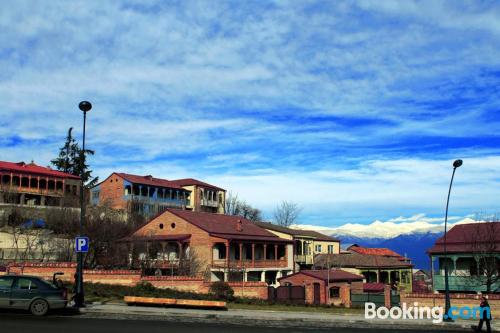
82 244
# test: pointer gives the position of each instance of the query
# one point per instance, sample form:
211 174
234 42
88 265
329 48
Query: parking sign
82 244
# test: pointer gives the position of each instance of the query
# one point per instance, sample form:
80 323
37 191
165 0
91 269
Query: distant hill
412 245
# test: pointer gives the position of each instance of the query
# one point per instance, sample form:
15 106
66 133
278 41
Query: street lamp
447 306
79 296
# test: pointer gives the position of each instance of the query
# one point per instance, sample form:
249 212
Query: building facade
307 243
34 185
204 197
472 257
374 264
226 248
150 196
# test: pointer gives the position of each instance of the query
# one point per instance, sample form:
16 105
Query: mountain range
410 237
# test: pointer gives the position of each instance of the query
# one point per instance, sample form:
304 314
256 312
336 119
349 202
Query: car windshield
47 284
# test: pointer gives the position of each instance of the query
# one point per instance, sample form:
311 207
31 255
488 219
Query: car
31 293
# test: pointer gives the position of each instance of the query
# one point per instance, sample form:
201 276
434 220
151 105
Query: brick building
150 196
230 248
325 287
379 265
34 185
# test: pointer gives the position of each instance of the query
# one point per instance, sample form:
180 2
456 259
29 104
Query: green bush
222 291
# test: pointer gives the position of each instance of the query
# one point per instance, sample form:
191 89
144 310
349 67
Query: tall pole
447 306
79 297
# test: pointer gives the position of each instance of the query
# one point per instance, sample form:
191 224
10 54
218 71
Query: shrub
222 290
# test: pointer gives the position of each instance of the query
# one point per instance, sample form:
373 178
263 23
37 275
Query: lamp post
447 306
79 296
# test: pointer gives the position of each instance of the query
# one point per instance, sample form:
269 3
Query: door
317 294
5 290
23 291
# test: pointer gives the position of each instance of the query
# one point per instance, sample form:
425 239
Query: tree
286 213
71 159
485 247
235 206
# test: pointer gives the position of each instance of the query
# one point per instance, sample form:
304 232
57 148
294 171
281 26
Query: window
317 248
6 282
25 284
334 292
330 248
161 225
172 225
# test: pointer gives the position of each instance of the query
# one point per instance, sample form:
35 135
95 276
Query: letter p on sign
82 244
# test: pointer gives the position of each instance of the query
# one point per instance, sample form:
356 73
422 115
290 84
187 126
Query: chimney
239 226
149 177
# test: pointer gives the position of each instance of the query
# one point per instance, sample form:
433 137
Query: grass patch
295 308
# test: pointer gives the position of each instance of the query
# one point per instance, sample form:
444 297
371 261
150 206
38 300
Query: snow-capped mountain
408 236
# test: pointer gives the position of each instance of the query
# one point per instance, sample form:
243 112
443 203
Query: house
227 248
472 256
150 196
376 265
204 197
422 282
308 243
33 185
325 286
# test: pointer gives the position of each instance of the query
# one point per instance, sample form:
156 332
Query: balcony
258 263
463 283
209 203
304 259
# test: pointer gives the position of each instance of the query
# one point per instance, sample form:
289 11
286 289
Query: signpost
82 244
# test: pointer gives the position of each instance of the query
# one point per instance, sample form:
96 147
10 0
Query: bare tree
235 206
485 246
286 213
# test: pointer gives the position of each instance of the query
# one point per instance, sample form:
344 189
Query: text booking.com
416 312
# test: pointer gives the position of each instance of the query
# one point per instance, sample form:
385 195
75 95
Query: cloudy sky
354 111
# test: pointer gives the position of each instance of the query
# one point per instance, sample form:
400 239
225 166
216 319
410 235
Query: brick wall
200 241
131 278
470 300
112 192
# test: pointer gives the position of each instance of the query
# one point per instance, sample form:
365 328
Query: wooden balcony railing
258 263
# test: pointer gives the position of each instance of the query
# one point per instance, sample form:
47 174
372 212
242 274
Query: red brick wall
112 192
200 241
131 278
470 300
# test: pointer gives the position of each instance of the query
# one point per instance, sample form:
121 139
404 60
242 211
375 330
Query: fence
359 300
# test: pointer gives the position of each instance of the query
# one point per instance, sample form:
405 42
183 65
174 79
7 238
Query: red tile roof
32 168
470 237
225 226
335 275
148 180
373 287
375 251
192 181
181 237
297 232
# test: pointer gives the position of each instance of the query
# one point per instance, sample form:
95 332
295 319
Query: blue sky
353 110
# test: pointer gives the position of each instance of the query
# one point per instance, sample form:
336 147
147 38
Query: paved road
19 322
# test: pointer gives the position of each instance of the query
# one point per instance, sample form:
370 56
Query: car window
6 282
25 284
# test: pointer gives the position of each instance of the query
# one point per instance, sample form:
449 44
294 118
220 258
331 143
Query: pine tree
70 158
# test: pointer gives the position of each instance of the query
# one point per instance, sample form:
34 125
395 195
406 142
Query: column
263 276
276 252
454 258
389 276
29 182
378 275
241 254
11 176
265 251
227 253
253 254
179 245
163 248
245 276
226 276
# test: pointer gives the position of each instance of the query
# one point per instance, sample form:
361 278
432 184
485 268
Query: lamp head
85 106
457 163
